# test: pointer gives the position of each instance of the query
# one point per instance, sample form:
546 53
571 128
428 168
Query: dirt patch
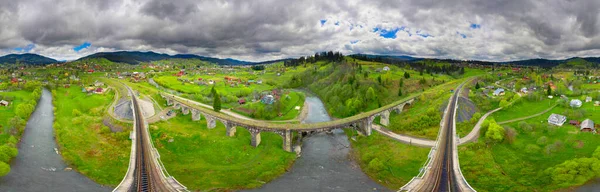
579 144
245 110
113 127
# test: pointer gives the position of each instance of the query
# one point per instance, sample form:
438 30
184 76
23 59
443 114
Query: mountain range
136 57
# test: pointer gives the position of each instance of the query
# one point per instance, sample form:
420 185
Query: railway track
147 175
441 175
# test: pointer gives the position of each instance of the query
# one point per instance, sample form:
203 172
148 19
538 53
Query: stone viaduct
361 122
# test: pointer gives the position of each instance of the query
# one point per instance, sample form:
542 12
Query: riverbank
38 167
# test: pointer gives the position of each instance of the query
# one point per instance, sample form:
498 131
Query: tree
379 79
549 90
216 101
401 83
495 132
399 91
477 85
406 75
371 94
4 169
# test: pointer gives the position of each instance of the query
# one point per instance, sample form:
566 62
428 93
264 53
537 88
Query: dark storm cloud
270 29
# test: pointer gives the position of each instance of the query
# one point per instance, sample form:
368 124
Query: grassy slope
523 108
8 112
85 142
206 159
405 122
519 166
399 162
288 111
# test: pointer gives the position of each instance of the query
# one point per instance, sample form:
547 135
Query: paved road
38 167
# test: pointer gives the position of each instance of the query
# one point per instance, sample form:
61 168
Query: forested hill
576 62
27 58
136 57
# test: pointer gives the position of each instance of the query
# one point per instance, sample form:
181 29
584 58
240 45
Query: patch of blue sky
82 46
475 26
26 48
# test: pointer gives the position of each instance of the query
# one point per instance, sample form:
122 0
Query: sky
252 30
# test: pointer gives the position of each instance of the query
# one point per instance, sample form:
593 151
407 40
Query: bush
76 113
542 140
376 165
4 169
532 149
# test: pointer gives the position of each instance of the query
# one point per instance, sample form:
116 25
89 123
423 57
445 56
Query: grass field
422 119
523 108
8 112
85 143
387 161
206 159
538 146
260 110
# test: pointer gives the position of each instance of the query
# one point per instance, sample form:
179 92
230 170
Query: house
587 126
90 71
98 84
268 99
574 122
386 68
4 103
241 101
596 103
588 99
210 82
259 82
498 91
557 119
575 103
524 90
99 90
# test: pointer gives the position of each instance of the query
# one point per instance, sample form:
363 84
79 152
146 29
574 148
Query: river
38 167
325 164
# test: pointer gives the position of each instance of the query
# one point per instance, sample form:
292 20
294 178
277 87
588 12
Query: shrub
76 113
376 165
542 140
4 169
532 149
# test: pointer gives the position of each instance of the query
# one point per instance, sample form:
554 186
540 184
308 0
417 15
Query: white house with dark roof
587 126
557 119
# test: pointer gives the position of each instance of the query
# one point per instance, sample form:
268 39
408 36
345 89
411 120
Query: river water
38 167
325 164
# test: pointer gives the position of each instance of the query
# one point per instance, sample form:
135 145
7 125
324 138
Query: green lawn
387 161
523 108
260 110
206 159
85 143
6 113
422 119
538 146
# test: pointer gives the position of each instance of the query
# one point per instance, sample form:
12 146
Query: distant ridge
136 57
27 58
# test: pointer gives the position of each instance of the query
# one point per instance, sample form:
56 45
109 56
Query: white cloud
273 29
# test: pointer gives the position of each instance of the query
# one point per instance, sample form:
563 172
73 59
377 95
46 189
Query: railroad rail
145 172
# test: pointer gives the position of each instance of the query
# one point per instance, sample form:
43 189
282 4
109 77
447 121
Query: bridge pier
177 105
185 110
169 102
384 118
287 140
211 122
230 129
195 115
255 140
364 127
